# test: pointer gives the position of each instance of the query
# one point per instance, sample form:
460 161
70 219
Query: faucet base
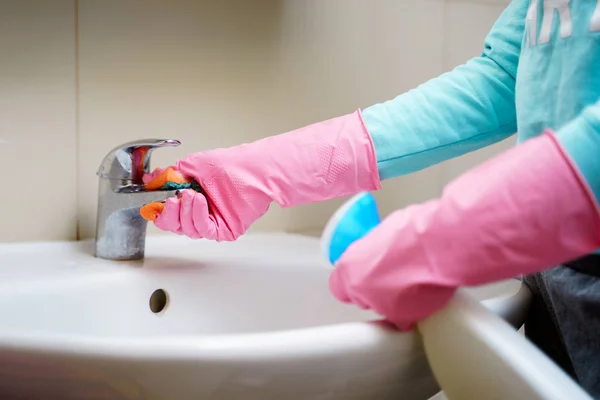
122 237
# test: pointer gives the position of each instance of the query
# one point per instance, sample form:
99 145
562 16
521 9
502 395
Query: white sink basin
246 320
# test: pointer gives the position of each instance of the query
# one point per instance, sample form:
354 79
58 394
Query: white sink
251 319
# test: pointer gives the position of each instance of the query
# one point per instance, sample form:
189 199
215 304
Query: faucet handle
131 160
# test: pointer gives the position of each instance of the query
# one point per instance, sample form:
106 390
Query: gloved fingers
168 220
405 326
195 217
193 214
401 326
337 287
187 214
339 290
204 221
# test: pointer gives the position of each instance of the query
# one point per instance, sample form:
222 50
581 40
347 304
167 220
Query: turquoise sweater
540 68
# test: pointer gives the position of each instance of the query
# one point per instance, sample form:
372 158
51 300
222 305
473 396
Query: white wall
79 77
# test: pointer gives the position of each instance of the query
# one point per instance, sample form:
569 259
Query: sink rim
316 342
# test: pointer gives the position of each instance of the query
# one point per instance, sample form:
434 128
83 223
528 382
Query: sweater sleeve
581 140
461 111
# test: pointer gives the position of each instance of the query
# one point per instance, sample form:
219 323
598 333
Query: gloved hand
521 212
329 159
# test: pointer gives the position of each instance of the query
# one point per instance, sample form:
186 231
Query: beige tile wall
38 137
79 77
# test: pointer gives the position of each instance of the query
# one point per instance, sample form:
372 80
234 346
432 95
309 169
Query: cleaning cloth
165 179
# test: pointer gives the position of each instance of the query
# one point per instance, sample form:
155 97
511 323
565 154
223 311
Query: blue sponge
353 220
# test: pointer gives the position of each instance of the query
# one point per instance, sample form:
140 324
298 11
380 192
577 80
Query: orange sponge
168 179
151 211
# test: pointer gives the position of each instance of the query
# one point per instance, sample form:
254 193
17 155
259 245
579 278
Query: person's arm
526 210
460 111
463 110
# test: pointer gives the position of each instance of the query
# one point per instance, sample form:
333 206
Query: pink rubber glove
333 158
521 212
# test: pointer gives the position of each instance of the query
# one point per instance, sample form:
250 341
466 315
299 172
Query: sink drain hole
158 301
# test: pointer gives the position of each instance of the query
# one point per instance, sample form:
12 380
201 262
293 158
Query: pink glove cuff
528 209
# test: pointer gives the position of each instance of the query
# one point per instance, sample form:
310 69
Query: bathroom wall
38 133
80 77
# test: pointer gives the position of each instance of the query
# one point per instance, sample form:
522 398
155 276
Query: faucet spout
120 229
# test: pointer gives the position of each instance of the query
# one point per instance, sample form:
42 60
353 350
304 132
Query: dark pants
564 320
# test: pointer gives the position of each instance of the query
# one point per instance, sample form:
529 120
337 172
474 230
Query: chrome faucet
120 229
